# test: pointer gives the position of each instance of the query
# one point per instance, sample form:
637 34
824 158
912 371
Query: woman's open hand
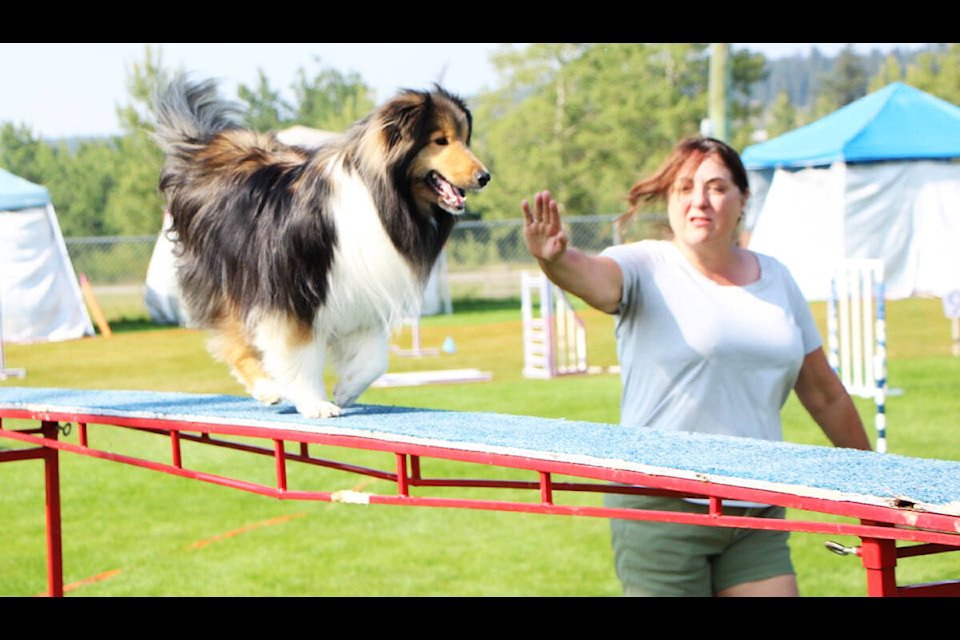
542 229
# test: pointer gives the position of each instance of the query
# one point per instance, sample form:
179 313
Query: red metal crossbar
879 527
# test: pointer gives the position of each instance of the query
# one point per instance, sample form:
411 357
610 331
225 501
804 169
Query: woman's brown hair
657 186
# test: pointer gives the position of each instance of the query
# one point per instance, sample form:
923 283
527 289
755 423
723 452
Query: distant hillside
800 76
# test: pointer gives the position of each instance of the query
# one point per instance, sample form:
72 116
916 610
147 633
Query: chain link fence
484 259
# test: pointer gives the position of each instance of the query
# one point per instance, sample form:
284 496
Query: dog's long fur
286 252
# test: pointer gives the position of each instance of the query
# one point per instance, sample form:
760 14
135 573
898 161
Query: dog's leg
232 345
360 358
295 358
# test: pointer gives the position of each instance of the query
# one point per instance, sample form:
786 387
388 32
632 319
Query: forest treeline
582 119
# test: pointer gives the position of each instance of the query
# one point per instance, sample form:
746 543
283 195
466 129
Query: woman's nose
698 198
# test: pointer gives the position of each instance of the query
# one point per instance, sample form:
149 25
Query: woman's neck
726 265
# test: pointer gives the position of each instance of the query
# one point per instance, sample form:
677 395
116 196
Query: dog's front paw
345 395
315 409
267 391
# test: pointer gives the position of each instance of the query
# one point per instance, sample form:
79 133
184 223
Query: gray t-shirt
699 356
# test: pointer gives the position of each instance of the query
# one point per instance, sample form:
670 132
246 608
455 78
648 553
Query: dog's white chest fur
371 284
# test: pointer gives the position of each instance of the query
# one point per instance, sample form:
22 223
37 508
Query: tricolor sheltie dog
287 253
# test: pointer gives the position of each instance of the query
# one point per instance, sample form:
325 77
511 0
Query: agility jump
889 498
857 335
554 338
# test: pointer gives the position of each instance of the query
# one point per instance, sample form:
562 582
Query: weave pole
857 335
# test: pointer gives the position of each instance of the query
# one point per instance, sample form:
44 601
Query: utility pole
718 118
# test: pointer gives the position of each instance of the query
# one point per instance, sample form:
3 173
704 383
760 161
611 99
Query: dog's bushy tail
189 114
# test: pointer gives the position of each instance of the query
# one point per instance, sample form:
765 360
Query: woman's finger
527 215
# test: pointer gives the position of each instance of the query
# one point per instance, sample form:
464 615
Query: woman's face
704 204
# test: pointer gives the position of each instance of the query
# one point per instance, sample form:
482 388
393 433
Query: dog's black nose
483 177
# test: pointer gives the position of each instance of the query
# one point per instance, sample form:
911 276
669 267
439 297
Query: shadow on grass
480 305
136 325
461 306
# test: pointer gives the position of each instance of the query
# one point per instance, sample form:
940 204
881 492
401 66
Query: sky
73 89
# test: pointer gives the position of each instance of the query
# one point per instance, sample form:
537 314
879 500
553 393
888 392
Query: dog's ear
405 115
459 104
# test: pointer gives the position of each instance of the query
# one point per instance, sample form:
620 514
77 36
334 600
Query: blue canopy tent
40 297
897 122
17 193
875 179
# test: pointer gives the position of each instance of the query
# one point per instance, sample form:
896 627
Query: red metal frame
879 527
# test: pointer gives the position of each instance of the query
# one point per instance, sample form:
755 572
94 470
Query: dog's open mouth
452 198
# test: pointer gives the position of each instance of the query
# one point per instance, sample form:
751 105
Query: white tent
163 293
905 213
876 179
40 297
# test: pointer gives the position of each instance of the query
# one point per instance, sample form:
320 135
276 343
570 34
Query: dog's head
427 138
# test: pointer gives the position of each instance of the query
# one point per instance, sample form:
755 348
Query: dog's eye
442 141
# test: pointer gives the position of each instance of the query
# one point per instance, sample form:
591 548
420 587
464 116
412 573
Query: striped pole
833 339
880 363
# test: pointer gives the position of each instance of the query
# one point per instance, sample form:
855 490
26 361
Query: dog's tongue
451 195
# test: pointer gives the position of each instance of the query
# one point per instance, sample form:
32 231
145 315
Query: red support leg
175 451
880 561
279 454
546 491
403 487
51 459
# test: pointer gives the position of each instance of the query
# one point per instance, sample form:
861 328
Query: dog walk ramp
891 498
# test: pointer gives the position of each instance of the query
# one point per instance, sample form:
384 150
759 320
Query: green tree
84 181
79 179
109 187
532 119
746 69
134 206
23 154
266 111
937 73
783 116
845 84
330 100
891 71
585 119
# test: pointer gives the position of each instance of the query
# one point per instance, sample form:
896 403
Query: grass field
129 531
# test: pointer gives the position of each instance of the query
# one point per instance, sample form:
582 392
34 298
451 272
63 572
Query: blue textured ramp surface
804 470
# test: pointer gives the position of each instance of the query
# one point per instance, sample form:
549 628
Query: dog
288 254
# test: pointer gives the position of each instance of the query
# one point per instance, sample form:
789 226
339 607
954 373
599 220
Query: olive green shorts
670 559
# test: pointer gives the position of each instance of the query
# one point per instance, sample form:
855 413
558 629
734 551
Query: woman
711 337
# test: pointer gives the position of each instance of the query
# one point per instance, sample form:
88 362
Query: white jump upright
857 335
416 350
554 337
